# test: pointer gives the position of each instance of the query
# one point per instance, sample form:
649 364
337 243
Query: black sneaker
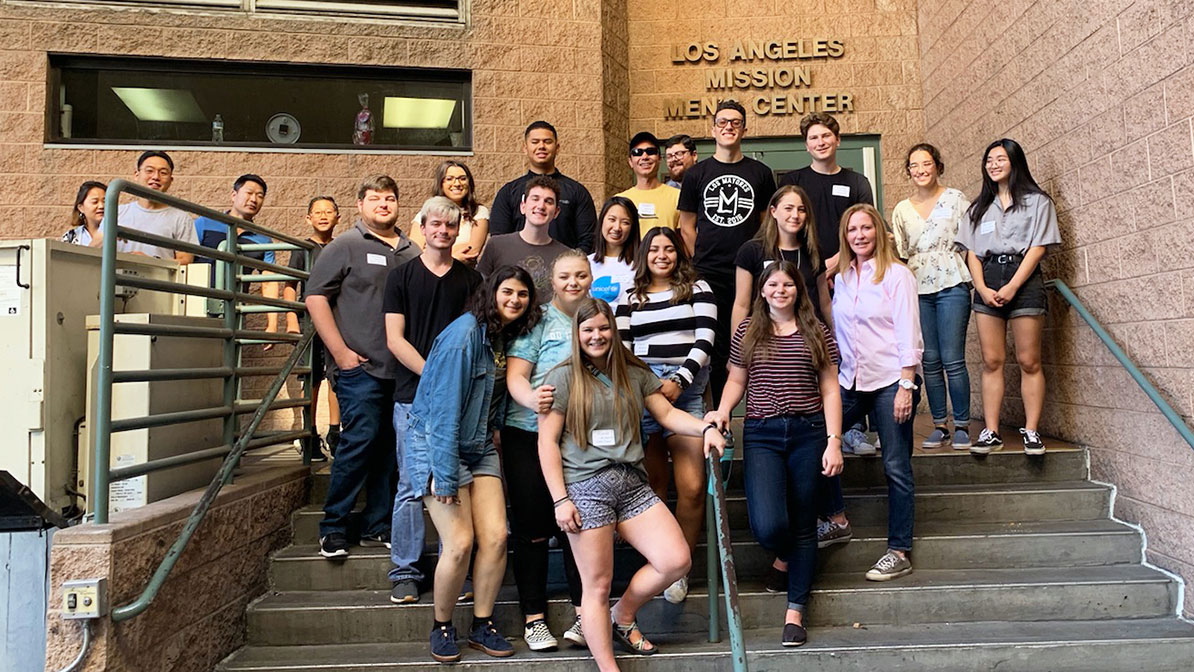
1032 442
334 545
466 591
333 439
443 644
375 540
986 441
794 635
404 591
485 637
775 581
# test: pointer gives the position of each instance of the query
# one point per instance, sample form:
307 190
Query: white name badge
604 437
378 259
641 348
987 227
940 212
841 190
646 209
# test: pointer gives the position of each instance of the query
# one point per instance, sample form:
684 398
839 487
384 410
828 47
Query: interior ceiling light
418 112
173 105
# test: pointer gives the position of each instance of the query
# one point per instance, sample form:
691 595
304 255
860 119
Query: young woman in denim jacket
453 464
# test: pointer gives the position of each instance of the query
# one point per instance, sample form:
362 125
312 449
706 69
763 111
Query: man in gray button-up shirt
344 297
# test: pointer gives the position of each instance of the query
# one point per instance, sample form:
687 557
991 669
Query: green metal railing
232 303
720 559
1137 375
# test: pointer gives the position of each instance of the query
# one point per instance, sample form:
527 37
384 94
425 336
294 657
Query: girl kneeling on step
592 456
452 460
784 360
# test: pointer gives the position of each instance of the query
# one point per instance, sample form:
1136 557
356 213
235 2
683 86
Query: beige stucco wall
1101 96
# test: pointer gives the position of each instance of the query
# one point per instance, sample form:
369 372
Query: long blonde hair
760 333
885 254
768 234
583 386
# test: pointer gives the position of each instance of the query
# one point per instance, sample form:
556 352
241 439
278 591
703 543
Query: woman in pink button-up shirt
877 325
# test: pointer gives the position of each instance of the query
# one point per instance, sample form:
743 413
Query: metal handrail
236 304
1137 375
721 556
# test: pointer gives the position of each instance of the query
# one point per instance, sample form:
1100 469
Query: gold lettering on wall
775 82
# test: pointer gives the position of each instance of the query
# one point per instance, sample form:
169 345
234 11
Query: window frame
406 10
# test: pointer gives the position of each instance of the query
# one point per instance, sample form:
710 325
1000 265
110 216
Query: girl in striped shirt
668 320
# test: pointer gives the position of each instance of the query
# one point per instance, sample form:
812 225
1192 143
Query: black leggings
532 517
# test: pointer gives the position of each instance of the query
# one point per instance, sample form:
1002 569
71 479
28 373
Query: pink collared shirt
877 326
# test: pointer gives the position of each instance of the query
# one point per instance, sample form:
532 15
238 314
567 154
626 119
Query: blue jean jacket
449 417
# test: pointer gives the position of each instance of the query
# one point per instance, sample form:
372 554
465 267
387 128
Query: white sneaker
576 635
538 637
677 592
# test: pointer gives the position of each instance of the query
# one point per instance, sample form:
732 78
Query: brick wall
1101 96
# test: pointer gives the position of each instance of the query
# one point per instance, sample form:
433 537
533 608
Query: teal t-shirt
548 344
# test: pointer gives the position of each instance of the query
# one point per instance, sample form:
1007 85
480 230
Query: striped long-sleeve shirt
678 334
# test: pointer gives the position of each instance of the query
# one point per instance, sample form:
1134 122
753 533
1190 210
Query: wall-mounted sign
783 87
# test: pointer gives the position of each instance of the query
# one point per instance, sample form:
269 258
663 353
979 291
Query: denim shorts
616 493
998 270
691 400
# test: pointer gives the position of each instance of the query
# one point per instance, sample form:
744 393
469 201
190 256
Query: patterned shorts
616 493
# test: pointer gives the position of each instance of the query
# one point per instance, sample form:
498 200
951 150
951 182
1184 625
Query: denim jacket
449 417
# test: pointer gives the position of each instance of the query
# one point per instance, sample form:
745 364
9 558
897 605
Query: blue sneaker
857 444
485 637
443 644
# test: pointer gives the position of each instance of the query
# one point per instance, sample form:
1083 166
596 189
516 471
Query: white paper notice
10 293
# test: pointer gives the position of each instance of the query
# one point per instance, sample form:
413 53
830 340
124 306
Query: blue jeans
782 461
944 317
896 441
365 455
406 520
691 400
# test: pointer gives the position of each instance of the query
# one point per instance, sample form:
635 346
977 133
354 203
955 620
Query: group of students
511 368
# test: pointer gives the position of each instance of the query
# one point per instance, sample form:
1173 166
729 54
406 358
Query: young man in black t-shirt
421 298
831 188
722 201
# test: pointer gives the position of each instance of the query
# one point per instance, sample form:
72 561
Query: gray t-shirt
168 222
616 446
1033 223
509 249
351 272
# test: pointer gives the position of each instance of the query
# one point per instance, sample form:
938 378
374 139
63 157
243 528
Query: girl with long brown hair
454 181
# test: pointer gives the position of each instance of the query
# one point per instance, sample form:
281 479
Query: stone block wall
1101 96
198 617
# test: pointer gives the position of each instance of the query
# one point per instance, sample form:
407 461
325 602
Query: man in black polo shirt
422 297
831 188
722 201
576 224
344 297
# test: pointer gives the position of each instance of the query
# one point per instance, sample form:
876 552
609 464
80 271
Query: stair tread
935 579
758 641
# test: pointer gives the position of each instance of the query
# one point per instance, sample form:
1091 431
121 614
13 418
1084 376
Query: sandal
622 634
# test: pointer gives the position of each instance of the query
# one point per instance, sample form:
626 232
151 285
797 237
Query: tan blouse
928 244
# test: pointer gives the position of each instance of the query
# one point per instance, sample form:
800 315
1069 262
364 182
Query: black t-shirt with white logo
831 196
728 199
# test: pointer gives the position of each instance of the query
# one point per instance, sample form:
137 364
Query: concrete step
1156 645
1004 502
939 467
937 546
925 596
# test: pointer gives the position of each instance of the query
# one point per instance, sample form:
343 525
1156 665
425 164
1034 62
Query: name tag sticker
646 209
604 437
841 190
940 212
378 259
987 227
641 348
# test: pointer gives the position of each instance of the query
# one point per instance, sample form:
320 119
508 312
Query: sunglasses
649 151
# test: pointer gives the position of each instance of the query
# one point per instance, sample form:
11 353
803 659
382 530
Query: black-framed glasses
677 156
649 151
732 123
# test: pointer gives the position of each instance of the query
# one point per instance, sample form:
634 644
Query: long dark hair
76 217
1019 180
630 247
684 276
760 333
768 234
483 304
470 199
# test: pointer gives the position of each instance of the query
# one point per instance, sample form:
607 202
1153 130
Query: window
435 10
173 102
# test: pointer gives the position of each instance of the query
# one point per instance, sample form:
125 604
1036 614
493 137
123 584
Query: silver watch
907 384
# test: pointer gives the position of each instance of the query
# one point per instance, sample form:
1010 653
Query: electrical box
47 289
84 599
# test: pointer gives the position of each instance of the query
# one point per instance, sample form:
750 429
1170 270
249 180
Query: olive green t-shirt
605 442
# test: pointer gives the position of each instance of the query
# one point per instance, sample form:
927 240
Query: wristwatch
906 384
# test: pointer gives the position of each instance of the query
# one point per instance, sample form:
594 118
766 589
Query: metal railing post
711 564
102 431
231 349
726 561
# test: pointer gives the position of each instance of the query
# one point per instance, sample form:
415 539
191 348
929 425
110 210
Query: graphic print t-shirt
727 199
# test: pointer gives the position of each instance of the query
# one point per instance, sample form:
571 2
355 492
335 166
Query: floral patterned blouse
928 244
